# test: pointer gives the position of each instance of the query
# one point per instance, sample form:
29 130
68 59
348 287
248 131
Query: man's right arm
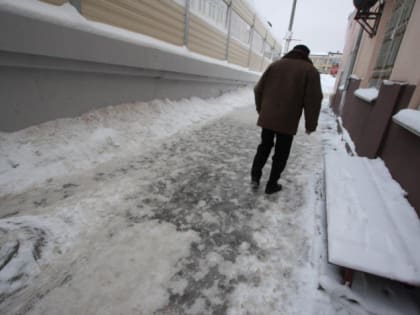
312 100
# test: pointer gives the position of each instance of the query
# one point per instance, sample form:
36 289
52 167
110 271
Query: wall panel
243 10
163 19
238 54
206 39
256 61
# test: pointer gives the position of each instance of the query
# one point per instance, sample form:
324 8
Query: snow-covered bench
371 226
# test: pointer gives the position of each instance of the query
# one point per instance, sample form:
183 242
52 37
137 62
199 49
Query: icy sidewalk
170 225
176 231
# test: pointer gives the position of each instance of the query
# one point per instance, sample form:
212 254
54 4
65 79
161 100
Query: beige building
327 62
383 63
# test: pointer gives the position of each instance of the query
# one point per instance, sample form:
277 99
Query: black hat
302 48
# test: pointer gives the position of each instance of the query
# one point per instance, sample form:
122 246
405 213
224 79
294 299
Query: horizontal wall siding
267 62
205 39
163 19
260 28
243 10
238 54
270 39
255 62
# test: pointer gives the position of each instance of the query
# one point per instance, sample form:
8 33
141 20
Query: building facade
377 84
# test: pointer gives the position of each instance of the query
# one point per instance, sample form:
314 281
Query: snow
146 208
354 77
327 82
99 136
408 119
154 244
371 226
368 95
390 82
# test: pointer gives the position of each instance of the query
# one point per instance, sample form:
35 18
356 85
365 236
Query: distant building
327 63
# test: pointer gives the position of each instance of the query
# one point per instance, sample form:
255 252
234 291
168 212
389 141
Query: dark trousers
281 154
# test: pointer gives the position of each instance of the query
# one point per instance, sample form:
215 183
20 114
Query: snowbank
65 146
368 95
408 119
327 83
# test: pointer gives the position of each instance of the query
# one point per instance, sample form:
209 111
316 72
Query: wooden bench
371 227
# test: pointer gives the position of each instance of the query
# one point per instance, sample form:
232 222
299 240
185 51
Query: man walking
288 87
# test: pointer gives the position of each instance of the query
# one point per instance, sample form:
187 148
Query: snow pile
65 146
327 83
368 95
362 199
408 119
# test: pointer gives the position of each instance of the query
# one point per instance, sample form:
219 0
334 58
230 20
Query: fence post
187 23
250 42
263 52
229 17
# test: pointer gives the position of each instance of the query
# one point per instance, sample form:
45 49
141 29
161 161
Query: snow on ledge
354 77
368 95
389 82
408 119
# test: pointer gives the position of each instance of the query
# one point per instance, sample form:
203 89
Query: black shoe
271 189
255 183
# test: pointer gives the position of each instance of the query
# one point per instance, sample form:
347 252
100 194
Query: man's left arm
258 90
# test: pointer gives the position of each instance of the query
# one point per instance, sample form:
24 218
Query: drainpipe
350 68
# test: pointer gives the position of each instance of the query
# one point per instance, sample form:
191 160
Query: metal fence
222 29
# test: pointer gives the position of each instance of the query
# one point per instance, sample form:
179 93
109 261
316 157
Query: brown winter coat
286 88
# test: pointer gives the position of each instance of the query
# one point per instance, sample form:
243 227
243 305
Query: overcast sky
319 24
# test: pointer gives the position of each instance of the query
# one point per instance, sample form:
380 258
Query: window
213 11
239 29
393 37
257 43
